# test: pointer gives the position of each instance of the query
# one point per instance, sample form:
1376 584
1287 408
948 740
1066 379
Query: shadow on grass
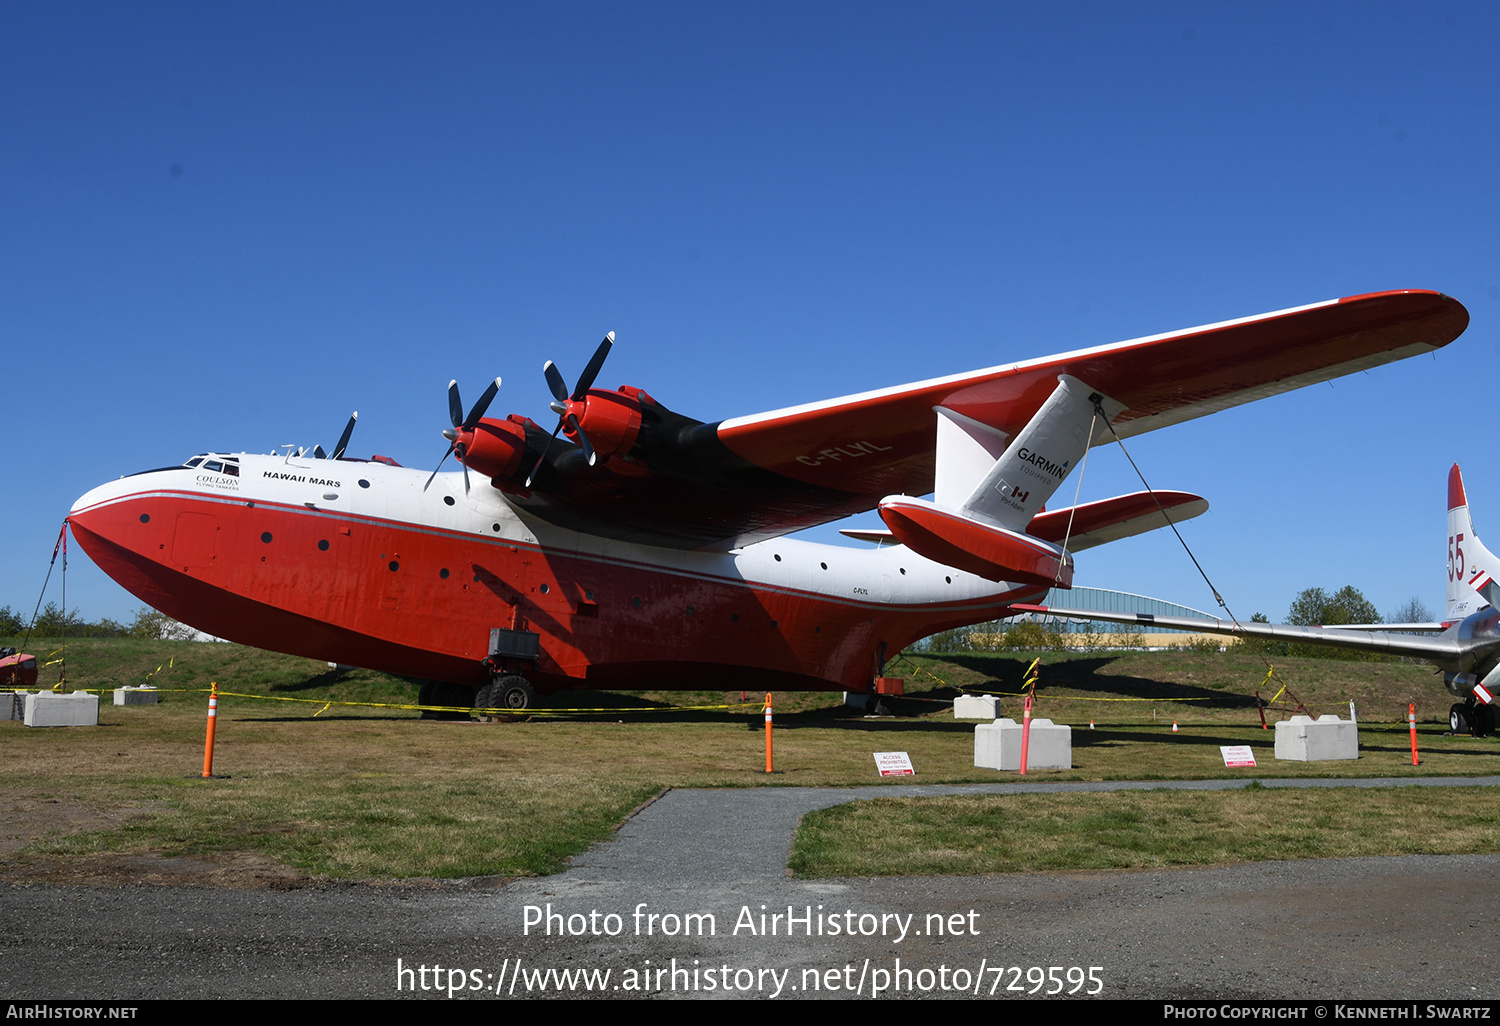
1086 675
326 679
1164 736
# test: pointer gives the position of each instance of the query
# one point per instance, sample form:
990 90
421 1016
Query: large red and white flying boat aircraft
648 549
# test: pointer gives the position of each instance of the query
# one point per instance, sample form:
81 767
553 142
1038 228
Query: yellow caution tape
326 704
1083 698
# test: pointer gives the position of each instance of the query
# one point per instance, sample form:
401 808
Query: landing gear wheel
1458 719
440 692
1483 719
509 692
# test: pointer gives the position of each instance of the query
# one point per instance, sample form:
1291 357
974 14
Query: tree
12 625
1030 636
53 622
1413 610
956 640
1316 608
158 626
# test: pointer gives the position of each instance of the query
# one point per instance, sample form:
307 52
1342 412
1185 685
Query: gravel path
1405 928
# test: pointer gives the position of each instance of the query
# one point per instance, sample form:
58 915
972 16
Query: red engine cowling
611 420
495 448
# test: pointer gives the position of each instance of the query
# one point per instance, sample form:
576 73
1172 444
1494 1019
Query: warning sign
894 764
1237 755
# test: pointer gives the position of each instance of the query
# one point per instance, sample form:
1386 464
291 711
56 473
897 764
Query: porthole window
689 610
734 617
266 537
778 557
145 518
495 527
823 565
545 588
903 571
948 580
394 566
363 483
323 545
443 573
448 500
636 602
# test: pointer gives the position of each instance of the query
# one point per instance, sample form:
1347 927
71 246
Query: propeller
338 450
462 425
563 402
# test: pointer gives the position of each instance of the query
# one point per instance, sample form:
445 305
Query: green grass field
374 792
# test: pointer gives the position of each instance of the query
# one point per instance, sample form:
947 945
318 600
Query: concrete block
860 700
1303 739
78 709
132 695
998 745
974 707
12 705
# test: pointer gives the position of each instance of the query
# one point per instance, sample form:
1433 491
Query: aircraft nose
89 499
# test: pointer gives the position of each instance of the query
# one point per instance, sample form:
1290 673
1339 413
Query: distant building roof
1107 601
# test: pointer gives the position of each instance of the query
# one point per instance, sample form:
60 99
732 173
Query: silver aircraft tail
1471 567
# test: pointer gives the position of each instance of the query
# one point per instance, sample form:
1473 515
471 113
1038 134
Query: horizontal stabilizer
1107 520
985 550
869 534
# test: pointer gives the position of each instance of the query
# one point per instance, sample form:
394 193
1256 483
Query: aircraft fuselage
354 563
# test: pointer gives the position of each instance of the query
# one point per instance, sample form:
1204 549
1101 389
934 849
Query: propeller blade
595 364
555 381
338 450
461 463
482 405
439 466
543 457
455 405
583 439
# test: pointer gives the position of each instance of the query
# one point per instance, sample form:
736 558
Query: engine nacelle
611 420
495 448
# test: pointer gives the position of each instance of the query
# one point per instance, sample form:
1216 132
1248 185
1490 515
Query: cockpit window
219 465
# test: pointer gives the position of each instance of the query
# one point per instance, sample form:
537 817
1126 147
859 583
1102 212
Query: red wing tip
1027 607
1390 293
1456 497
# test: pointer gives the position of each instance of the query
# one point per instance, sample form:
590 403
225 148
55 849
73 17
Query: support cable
1073 510
61 546
1099 410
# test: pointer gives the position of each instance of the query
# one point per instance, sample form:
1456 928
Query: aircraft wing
1440 650
688 484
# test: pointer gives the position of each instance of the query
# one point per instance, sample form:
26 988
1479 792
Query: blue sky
227 226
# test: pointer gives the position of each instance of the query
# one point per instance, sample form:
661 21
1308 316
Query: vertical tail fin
1471 567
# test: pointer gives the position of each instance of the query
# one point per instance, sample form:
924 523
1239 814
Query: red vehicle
17 669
